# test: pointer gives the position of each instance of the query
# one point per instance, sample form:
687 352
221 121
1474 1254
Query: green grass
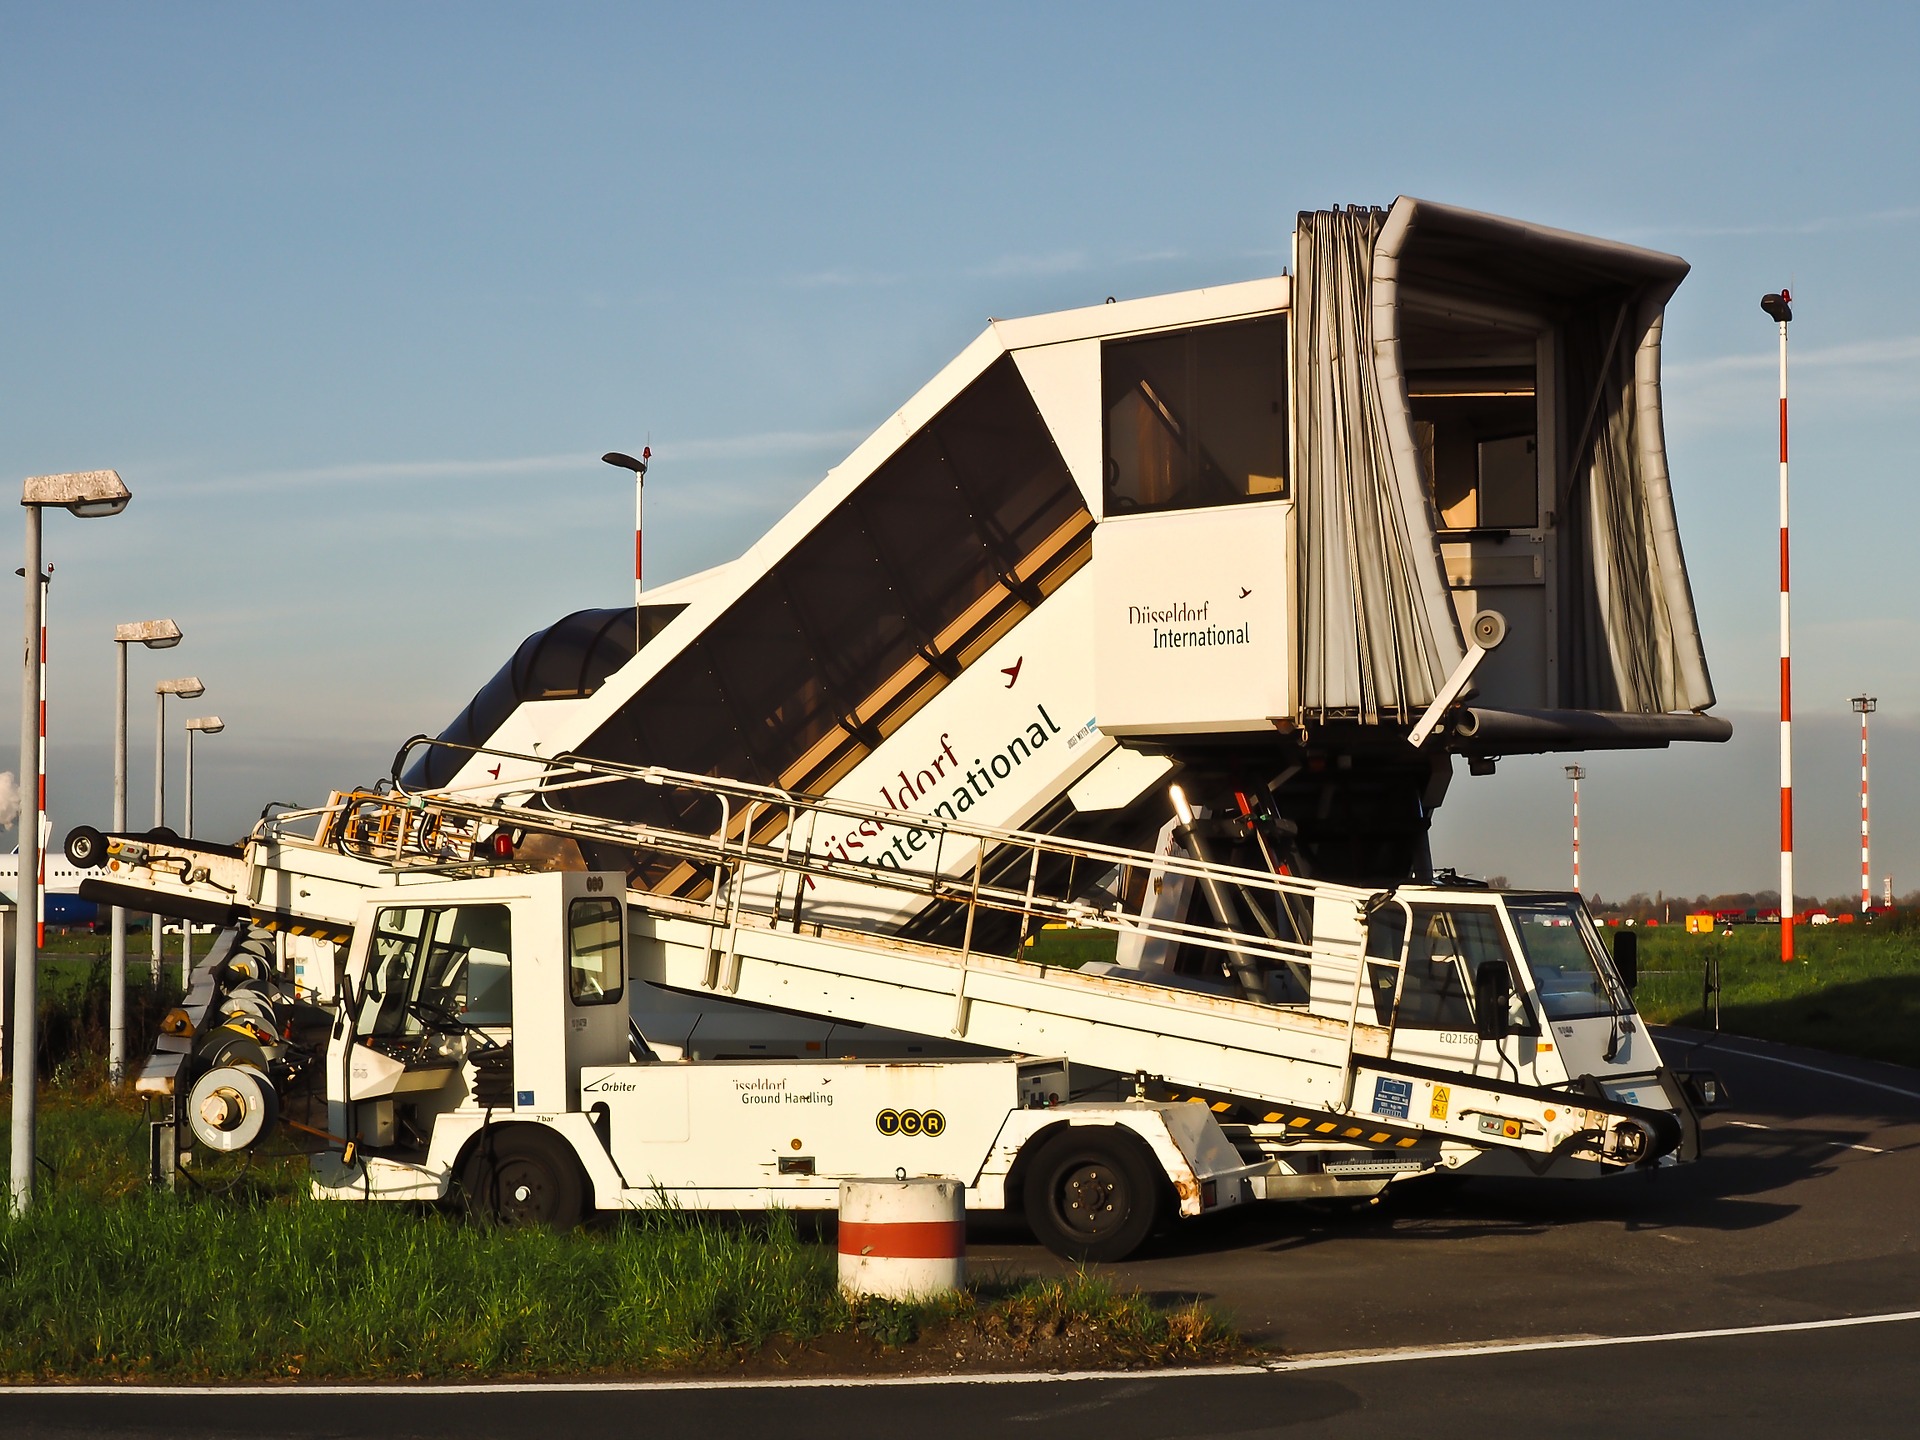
1852 989
106 1279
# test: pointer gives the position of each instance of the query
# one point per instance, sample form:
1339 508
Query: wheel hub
1088 1197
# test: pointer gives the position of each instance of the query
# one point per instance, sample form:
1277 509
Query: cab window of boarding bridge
1196 418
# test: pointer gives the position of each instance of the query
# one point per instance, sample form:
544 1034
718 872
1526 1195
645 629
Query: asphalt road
1801 1215
1804 1208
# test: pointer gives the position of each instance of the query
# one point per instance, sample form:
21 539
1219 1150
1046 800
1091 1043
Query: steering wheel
434 1016
441 1017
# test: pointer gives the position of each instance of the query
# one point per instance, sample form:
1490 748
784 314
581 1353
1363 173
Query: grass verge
1852 989
103 1279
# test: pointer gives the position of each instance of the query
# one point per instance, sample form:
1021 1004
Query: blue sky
353 295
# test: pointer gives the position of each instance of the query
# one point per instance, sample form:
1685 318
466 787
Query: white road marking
1837 1144
1581 1342
1818 1070
1332 1361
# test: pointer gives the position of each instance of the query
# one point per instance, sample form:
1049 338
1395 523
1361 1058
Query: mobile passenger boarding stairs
1295 1047
1306 1040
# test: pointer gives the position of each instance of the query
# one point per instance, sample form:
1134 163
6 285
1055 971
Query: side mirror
1492 990
1626 958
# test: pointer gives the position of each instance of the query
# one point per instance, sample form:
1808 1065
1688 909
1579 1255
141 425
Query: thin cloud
1019 266
1895 351
842 279
390 472
1817 225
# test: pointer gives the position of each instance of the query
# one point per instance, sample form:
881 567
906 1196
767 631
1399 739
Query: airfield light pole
199 725
1576 774
87 494
187 687
155 635
1864 705
639 469
1780 308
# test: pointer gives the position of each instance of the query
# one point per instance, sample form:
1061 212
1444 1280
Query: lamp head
86 493
187 687
627 462
154 634
1780 306
207 724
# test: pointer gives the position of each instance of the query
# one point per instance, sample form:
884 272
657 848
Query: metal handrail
543 801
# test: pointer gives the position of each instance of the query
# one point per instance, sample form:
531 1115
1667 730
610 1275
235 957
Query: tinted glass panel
1566 962
595 974
570 658
1196 417
437 967
973 519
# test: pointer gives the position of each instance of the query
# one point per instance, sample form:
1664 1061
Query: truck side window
1434 994
1386 936
1449 944
595 974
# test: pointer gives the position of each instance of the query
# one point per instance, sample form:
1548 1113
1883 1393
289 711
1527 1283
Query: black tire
522 1177
86 848
1092 1193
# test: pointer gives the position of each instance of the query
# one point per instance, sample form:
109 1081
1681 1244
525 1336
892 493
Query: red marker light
497 846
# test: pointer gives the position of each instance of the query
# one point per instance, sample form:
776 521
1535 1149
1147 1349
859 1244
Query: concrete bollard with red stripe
902 1239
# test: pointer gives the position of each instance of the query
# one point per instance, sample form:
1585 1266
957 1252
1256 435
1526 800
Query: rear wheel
1092 1194
521 1177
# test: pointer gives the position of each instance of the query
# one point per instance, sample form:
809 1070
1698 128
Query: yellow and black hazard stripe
1300 1123
289 924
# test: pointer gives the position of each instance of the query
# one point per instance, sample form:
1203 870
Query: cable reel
232 1107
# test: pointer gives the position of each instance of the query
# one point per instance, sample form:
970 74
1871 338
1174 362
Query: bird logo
1244 592
1012 672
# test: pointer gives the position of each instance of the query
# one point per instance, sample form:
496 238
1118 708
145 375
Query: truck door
596 1025
435 987
1432 1013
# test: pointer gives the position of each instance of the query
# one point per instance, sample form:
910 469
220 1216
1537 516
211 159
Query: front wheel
522 1177
1092 1194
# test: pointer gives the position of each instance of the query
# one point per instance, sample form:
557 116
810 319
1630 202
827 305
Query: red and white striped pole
1780 308
1865 705
40 813
1576 774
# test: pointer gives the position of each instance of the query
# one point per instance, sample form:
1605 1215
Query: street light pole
1576 774
1864 705
200 725
1780 309
639 469
187 687
87 493
155 635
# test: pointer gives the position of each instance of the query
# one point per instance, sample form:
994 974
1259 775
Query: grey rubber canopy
1378 628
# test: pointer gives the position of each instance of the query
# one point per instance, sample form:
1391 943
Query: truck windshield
437 968
1572 974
